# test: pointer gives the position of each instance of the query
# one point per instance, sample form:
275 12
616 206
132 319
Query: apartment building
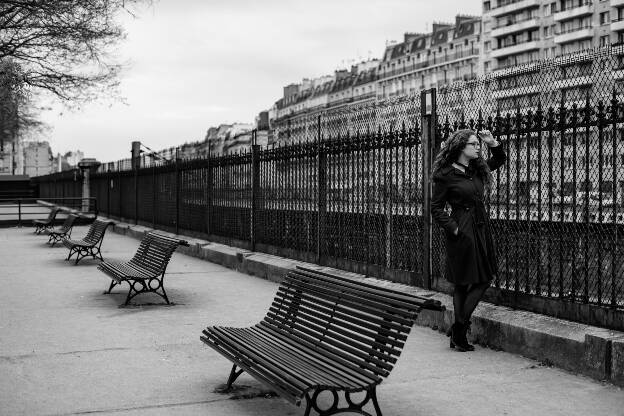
449 53
517 32
37 159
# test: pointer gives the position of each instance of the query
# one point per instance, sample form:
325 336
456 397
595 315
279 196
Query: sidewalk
66 348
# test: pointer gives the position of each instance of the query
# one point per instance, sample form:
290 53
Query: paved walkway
66 348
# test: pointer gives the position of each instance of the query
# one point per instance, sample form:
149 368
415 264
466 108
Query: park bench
145 272
322 333
48 223
64 231
91 244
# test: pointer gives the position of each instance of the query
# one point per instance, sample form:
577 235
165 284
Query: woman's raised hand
487 138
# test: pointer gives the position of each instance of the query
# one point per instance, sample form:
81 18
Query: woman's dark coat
470 255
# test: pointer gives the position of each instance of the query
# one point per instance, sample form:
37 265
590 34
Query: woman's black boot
467 331
458 338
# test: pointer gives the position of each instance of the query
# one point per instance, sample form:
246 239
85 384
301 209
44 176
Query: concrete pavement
66 348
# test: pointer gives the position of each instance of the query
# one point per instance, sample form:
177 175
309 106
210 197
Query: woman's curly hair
451 150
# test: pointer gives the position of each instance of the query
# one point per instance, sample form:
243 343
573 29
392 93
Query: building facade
448 54
517 32
38 159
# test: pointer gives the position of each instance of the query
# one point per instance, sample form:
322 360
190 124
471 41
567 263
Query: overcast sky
194 64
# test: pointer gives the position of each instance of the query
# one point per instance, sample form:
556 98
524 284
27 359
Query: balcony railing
573 29
515 48
617 25
572 12
514 6
515 27
570 35
434 60
514 22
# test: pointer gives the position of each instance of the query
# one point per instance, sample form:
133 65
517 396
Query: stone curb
584 349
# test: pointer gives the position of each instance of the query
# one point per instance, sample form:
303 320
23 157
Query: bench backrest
363 324
155 251
52 214
96 231
69 222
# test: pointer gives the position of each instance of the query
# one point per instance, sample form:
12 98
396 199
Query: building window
486 6
604 18
547 10
604 40
487 45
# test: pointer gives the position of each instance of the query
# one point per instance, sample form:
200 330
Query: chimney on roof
341 74
459 19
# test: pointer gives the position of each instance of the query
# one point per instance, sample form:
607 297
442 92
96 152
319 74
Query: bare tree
17 114
64 46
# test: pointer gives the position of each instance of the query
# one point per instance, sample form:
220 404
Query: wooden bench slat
410 298
354 344
352 303
348 353
329 354
353 372
287 381
350 331
248 365
360 298
333 374
295 364
343 319
355 317
373 306
337 372
345 344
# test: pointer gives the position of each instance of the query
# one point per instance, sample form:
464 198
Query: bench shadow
71 262
144 301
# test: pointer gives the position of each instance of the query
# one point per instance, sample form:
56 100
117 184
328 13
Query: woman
460 178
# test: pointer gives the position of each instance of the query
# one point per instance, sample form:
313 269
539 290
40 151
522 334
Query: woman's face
472 148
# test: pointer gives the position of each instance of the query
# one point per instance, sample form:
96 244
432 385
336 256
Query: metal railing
21 211
345 188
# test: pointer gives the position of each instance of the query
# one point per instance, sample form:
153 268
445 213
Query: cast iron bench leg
112 285
233 376
333 409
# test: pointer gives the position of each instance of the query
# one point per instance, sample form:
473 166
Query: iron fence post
154 193
177 192
209 195
322 192
428 123
109 182
136 193
19 212
120 192
255 186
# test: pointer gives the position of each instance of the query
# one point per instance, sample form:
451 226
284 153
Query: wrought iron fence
558 202
344 187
